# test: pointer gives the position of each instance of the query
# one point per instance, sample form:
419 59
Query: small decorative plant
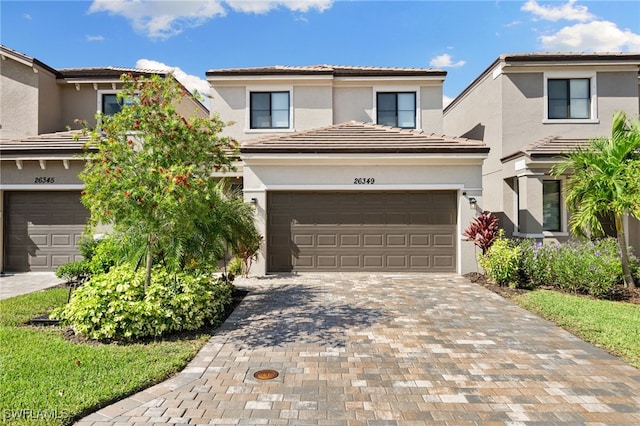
483 230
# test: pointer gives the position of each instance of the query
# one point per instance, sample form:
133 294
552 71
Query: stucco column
530 217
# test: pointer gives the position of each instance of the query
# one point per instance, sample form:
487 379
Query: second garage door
43 229
361 231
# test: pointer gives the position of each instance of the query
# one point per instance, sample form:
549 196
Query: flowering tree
151 173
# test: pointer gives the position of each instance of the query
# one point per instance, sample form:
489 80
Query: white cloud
27 16
446 100
444 61
191 82
163 19
592 36
264 6
91 38
588 35
568 11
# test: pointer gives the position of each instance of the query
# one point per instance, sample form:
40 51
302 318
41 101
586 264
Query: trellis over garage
365 197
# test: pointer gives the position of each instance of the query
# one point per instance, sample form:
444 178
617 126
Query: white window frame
593 88
564 232
101 93
397 89
267 88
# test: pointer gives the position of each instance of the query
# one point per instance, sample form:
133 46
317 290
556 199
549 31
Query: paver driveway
364 349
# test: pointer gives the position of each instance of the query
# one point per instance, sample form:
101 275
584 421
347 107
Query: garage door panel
303 240
396 240
43 229
349 261
420 240
349 240
362 231
419 261
373 240
327 261
372 261
443 261
397 261
443 240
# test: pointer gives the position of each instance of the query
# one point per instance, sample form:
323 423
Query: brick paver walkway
365 349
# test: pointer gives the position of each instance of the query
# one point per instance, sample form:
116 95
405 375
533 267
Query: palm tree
605 182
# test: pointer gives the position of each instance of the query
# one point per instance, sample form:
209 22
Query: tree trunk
624 253
147 277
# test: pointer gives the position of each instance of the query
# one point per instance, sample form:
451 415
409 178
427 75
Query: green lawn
47 380
613 326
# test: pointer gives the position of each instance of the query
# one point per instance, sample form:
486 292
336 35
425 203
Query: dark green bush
116 306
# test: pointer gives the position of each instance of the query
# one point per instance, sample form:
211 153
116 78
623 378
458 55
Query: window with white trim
570 97
396 109
109 104
269 110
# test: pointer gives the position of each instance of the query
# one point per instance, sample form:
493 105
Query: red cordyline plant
483 230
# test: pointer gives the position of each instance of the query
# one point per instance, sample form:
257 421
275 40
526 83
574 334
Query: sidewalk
15 284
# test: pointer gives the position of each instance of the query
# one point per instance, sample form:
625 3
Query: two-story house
40 210
530 109
348 170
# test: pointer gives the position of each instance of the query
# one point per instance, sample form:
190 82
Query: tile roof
568 56
106 72
335 70
7 51
552 146
69 142
358 137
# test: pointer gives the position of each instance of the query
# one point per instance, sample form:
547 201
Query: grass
613 326
48 380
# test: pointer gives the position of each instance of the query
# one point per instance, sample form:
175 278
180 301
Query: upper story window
396 109
269 110
569 98
109 104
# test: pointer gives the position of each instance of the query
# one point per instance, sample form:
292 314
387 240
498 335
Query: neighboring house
347 168
42 217
530 109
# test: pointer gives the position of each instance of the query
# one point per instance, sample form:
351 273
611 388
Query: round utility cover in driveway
361 231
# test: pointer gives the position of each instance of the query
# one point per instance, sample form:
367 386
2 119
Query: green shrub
116 306
235 266
501 262
73 271
579 267
535 262
106 253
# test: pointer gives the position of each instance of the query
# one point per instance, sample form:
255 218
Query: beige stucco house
530 109
40 210
347 168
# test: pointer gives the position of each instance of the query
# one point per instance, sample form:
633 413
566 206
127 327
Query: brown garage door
361 231
42 229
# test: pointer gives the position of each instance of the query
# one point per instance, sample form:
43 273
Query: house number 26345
44 179
364 181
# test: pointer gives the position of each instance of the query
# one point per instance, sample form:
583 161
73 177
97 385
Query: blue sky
461 37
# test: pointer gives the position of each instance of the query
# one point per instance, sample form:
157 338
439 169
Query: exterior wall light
473 202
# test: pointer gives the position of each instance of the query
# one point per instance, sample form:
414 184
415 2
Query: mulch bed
620 295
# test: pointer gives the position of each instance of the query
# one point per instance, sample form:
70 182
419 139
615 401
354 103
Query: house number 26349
364 181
